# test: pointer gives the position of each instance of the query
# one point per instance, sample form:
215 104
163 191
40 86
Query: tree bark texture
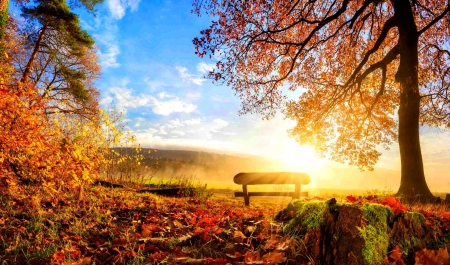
412 182
27 71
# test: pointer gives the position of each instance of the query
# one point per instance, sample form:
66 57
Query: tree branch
435 20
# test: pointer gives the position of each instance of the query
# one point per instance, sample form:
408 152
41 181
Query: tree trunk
413 182
27 71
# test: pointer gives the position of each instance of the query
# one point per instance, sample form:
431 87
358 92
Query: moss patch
375 233
308 214
3 19
416 218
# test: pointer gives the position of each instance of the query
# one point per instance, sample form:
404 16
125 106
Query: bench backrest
256 178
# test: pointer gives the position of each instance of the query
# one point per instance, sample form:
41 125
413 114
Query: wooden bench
273 178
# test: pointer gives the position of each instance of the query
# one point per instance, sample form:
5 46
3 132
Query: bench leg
298 189
246 197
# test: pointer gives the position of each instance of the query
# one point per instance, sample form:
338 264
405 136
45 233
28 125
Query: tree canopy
61 58
357 63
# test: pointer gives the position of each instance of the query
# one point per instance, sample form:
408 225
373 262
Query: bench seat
271 178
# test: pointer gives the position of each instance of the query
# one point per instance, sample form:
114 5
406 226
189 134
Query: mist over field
218 169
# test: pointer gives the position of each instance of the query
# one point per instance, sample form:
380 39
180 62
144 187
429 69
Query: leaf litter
129 228
123 227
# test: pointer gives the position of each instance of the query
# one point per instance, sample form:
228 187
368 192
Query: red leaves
58 257
391 202
351 198
206 221
426 213
394 257
432 257
394 203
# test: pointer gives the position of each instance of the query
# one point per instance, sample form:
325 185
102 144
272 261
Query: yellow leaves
238 237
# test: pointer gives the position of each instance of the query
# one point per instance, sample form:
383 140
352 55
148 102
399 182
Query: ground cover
120 226
117 226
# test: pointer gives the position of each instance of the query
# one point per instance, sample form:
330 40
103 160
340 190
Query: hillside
202 165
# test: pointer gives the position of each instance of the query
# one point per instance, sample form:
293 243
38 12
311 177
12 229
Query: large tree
358 63
60 60
4 4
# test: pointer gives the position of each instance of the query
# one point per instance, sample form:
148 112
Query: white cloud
187 77
154 84
106 100
162 130
172 124
151 130
220 99
176 123
180 133
168 107
163 95
124 99
195 128
139 121
117 8
205 68
219 124
193 95
192 122
109 58
105 35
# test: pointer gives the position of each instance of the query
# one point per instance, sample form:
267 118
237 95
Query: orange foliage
355 63
34 150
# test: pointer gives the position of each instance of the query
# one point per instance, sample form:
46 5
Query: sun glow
296 157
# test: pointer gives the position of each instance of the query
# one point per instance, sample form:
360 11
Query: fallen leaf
250 229
58 257
252 256
432 257
82 261
119 242
394 257
177 224
238 237
274 257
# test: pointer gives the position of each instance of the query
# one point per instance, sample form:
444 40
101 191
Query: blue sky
150 71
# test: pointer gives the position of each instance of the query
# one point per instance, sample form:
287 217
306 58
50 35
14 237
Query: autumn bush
59 152
35 150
